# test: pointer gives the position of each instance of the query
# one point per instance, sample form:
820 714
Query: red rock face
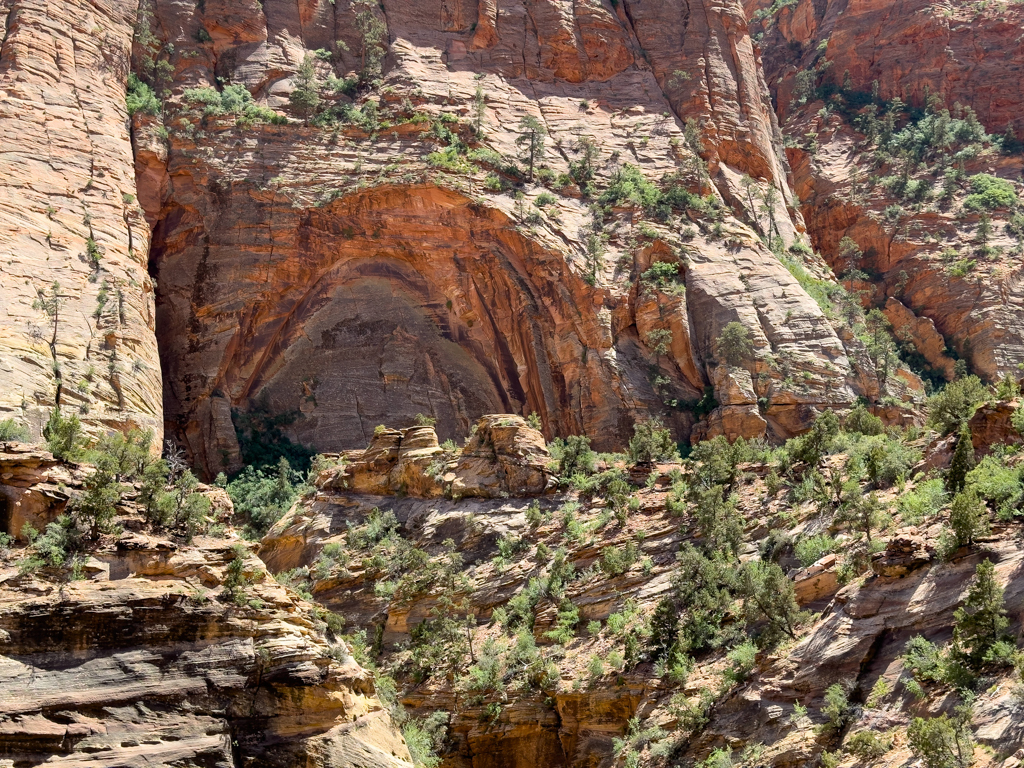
954 297
959 51
68 213
335 276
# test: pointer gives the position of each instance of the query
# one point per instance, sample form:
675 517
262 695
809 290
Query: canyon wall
77 314
339 277
961 52
927 257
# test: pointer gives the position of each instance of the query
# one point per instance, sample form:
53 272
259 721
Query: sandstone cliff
352 275
928 256
77 314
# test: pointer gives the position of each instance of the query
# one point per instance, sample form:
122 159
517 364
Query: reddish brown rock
503 456
992 424
959 51
906 551
340 276
32 488
920 331
816 581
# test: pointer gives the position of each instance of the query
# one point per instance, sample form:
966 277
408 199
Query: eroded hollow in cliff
384 304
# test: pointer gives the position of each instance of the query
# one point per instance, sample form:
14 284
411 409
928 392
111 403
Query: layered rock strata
77 313
571 719
928 254
144 663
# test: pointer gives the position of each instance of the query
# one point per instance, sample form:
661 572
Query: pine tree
531 139
981 621
968 518
963 461
305 98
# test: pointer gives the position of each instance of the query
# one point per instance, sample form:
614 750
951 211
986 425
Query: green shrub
951 407
630 188
943 742
140 98
126 456
12 431
617 560
885 459
861 420
742 658
989 192
236 580
233 100
565 623
818 442
734 344
260 499
997 483
923 502
717 520
184 506
63 436
703 587
651 442
449 159
574 456
811 549
98 505
868 745
58 542
425 737
663 276
837 706
962 463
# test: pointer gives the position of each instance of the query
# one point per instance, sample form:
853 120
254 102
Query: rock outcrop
960 52
503 456
77 315
146 662
929 261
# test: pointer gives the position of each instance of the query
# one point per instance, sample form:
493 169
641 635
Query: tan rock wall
67 187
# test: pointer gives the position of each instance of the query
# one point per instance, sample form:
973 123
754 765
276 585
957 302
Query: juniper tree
768 596
943 742
968 518
981 622
734 344
963 461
